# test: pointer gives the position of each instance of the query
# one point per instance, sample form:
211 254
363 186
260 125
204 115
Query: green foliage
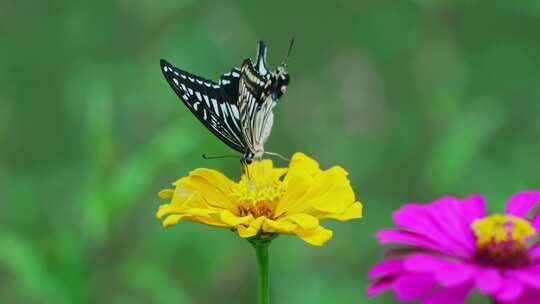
416 99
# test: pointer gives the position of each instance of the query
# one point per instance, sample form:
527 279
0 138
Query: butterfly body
238 108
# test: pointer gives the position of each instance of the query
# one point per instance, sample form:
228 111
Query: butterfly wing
260 61
213 104
229 82
255 109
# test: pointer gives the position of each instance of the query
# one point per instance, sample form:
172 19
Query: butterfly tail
260 63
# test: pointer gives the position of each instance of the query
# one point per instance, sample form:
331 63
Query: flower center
501 240
258 196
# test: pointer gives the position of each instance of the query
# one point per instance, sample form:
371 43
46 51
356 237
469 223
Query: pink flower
451 246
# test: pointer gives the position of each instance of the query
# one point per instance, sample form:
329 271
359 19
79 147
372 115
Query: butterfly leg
244 167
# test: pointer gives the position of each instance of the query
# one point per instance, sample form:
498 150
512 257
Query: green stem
262 260
261 244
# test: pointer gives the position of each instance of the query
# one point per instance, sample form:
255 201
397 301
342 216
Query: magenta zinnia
450 247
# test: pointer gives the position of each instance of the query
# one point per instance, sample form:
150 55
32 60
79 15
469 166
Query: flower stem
262 259
261 244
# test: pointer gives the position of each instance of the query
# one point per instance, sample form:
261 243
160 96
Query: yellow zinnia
266 200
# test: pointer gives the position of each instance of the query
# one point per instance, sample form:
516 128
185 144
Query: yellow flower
266 200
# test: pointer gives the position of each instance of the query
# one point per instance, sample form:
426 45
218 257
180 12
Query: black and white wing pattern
229 83
256 117
260 64
214 104
237 109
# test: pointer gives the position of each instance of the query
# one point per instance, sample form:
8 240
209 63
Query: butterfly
238 108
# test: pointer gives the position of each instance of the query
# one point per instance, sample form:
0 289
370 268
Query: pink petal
386 268
488 280
534 252
380 286
455 295
453 238
415 219
473 208
529 296
449 217
521 203
530 276
511 289
535 221
413 287
393 236
423 263
455 274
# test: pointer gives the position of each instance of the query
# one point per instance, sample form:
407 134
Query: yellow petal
317 236
246 232
305 221
267 168
166 193
185 198
167 209
232 220
299 185
203 215
177 205
330 192
262 172
277 173
272 226
172 220
252 229
299 180
207 220
213 177
181 193
200 211
304 164
354 211
212 194
267 164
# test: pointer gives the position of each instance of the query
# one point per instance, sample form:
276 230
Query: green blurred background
417 99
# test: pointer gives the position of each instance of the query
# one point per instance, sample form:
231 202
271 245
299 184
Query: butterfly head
248 158
279 81
280 78
256 154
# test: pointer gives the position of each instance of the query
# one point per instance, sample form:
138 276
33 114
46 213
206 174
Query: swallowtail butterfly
238 108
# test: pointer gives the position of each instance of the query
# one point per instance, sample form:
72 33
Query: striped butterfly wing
229 82
256 116
214 104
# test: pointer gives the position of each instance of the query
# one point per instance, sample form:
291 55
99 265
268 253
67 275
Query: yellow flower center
258 194
501 240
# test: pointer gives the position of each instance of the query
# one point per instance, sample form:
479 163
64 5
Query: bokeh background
416 98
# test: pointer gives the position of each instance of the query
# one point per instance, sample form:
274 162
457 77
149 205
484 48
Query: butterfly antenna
204 156
288 51
290 47
278 155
